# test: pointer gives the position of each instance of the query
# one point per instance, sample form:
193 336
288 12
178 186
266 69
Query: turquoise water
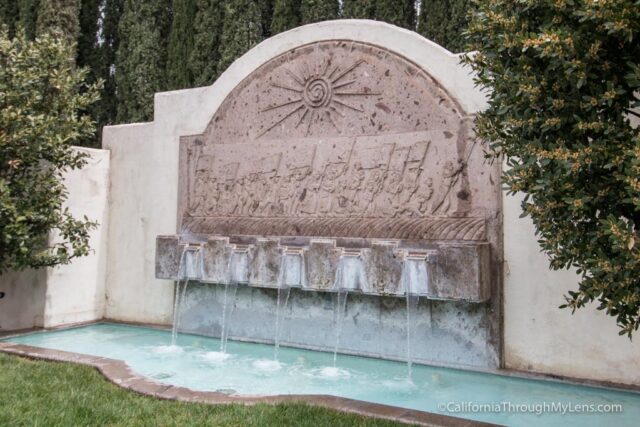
250 369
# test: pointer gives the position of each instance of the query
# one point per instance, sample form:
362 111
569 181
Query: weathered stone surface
321 259
383 265
216 256
460 272
168 251
337 139
265 263
340 164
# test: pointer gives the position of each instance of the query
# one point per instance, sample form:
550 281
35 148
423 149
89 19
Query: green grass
37 393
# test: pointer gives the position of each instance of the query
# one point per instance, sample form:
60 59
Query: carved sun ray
319 94
351 107
273 107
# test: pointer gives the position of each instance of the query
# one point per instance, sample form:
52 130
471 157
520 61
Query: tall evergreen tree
142 57
88 54
444 22
318 10
9 15
267 16
286 15
181 41
242 30
28 16
359 9
207 32
108 103
60 18
397 12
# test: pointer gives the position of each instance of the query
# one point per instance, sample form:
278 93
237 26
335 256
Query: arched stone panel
338 139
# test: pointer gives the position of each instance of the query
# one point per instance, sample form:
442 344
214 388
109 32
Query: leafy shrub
564 77
41 97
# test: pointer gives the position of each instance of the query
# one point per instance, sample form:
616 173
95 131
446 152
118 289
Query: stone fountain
342 166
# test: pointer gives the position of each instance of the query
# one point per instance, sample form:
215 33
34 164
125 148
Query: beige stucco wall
23 304
540 337
76 292
144 186
70 293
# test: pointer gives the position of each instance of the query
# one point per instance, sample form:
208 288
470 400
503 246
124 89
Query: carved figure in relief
300 182
269 198
372 186
347 200
418 205
389 201
308 199
227 201
449 180
250 194
329 186
285 195
213 197
198 200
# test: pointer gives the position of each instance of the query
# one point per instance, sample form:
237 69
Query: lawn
38 393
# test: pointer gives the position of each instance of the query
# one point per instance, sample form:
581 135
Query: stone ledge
119 373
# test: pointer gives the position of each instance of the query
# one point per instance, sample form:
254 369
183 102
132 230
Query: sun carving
318 95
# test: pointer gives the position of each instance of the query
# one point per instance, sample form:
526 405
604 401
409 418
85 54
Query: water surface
196 363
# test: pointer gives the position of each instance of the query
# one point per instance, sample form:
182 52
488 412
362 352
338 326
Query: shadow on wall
22 299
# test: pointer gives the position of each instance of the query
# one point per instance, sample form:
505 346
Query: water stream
340 309
177 300
281 306
230 290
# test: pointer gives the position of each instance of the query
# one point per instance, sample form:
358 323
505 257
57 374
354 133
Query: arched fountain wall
144 192
332 107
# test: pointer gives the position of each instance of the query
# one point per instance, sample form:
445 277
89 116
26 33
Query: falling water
340 308
178 297
410 278
412 306
281 305
225 313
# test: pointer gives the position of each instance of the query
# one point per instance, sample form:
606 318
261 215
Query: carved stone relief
335 137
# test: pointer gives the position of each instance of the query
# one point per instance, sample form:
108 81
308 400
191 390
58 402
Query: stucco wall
23 304
144 186
70 293
76 292
540 337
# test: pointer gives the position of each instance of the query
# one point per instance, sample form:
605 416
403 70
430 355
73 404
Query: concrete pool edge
119 373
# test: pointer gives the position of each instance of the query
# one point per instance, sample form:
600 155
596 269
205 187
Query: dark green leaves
564 77
41 94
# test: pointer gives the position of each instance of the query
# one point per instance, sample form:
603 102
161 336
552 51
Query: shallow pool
248 369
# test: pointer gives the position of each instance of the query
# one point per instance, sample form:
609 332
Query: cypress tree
60 18
88 54
286 15
181 41
359 9
318 10
458 23
242 30
141 58
444 21
207 31
397 12
267 16
9 15
108 103
28 16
